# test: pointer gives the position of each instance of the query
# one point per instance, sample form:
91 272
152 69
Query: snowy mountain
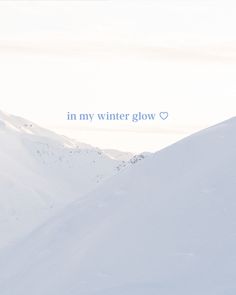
41 172
122 156
163 226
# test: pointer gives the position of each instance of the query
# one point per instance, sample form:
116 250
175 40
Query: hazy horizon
99 56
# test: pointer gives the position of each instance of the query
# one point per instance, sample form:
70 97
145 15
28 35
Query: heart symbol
164 115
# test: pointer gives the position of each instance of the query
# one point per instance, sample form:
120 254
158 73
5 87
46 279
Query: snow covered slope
118 155
165 226
41 172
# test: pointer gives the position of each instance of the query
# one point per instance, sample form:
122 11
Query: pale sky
119 56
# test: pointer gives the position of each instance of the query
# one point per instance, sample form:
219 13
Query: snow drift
164 226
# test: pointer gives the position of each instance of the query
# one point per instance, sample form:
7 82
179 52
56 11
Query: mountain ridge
42 172
165 225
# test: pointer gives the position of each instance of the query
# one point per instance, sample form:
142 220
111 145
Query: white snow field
41 172
166 226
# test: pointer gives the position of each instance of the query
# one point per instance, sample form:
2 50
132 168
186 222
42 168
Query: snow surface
164 226
41 172
122 156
